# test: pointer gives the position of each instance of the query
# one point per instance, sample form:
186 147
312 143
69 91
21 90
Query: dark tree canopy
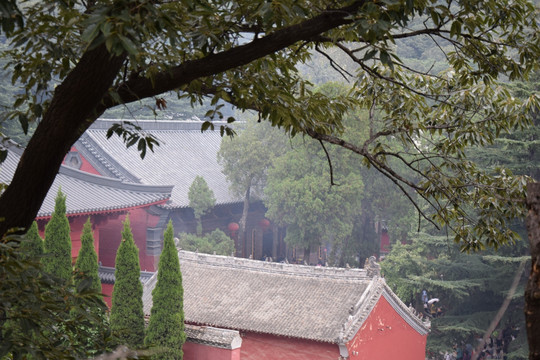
36 309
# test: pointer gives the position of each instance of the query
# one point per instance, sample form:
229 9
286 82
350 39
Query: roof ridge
105 159
274 267
193 124
360 312
412 317
213 336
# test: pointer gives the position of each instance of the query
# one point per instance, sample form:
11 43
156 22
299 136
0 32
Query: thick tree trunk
70 113
502 309
243 221
81 98
532 291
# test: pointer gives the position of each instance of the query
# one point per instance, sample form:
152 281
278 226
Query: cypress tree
32 246
127 317
58 242
87 261
166 327
94 314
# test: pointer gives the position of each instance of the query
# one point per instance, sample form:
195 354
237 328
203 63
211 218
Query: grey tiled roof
107 275
317 303
184 152
87 193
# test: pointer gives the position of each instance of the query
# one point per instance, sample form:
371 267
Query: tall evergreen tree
87 279
32 245
87 261
58 242
166 328
127 317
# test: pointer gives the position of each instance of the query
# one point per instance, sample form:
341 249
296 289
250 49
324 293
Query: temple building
235 308
184 152
105 181
104 200
245 309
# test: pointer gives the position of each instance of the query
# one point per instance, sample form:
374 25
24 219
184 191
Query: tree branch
168 80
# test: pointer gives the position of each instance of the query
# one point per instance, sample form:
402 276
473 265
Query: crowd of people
496 347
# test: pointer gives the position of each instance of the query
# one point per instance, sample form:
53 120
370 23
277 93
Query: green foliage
202 51
32 245
127 317
57 245
34 307
246 157
518 150
201 199
10 16
216 242
131 135
471 287
300 195
87 261
166 328
249 52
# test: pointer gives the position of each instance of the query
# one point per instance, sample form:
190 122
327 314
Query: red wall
261 346
385 242
107 289
76 224
194 351
107 231
110 234
386 335
85 166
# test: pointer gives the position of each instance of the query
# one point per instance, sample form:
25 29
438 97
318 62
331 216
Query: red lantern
233 227
264 224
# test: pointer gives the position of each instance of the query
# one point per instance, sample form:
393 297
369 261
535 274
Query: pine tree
58 242
127 317
87 261
166 328
32 245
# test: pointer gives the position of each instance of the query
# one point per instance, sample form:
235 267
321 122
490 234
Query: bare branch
335 65
329 163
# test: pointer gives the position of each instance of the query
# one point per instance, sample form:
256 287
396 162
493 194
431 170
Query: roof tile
184 152
317 303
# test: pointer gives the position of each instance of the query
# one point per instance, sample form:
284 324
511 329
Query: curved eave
173 206
368 301
104 210
256 331
113 182
423 328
